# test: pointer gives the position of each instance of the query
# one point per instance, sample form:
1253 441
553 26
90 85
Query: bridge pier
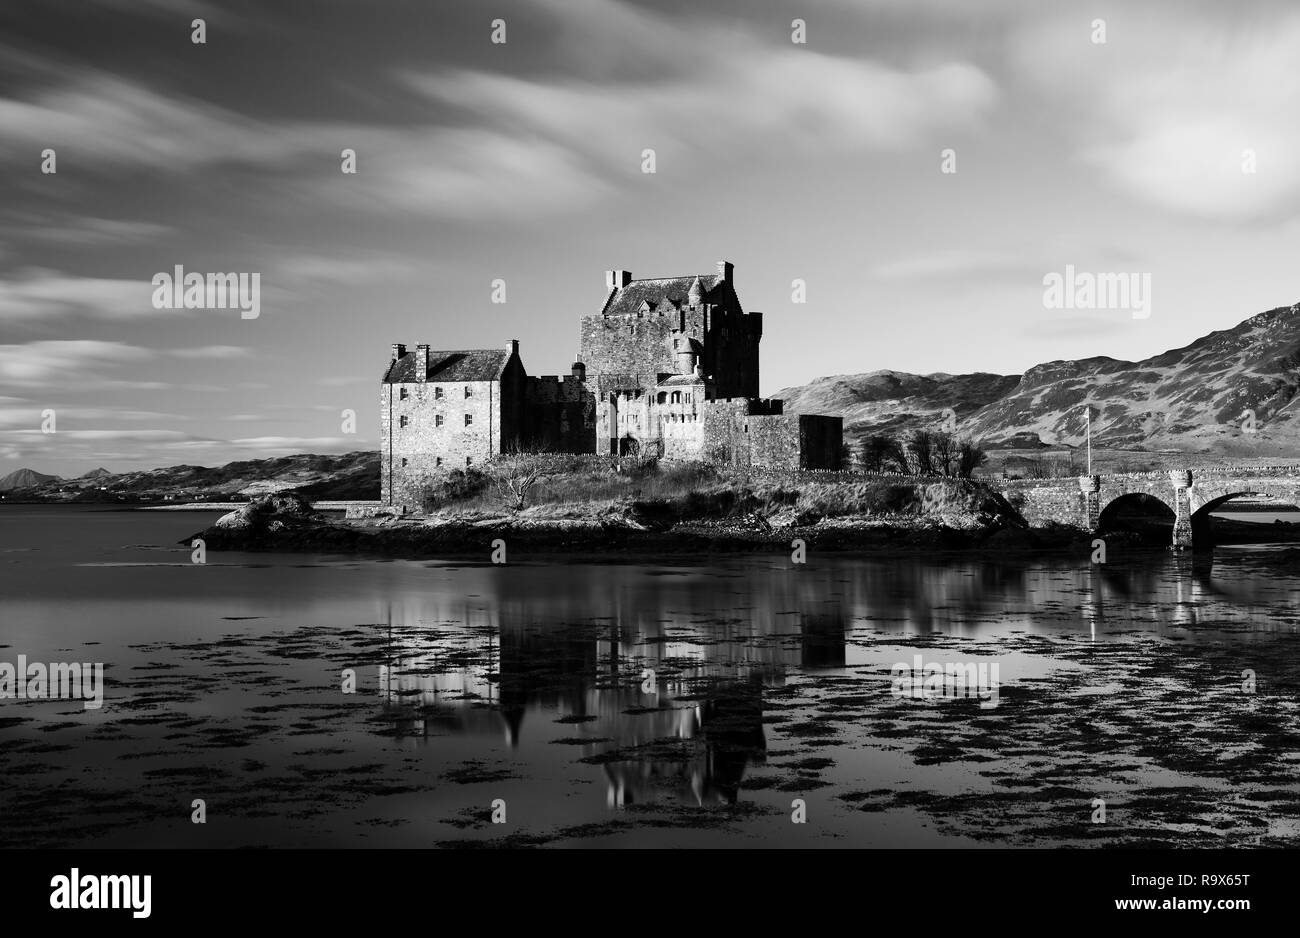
1182 483
1090 488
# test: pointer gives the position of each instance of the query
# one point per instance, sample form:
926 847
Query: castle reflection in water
522 662
669 693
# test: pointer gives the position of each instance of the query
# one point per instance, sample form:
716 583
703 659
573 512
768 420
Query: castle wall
623 352
821 441
731 353
725 440
561 415
516 418
632 350
774 442
419 449
680 423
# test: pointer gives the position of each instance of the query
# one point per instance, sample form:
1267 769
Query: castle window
468 461
469 392
401 421
688 397
403 462
677 397
402 395
437 461
469 418
437 392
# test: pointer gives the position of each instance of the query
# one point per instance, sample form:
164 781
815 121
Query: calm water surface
667 702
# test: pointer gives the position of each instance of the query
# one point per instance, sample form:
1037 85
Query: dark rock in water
266 516
1010 539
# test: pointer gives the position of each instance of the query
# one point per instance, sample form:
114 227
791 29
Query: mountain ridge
1233 390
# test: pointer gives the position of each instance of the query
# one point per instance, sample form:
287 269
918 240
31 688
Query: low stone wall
363 512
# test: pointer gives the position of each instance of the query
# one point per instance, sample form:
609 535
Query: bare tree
945 452
515 473
876 452
921 446
969 458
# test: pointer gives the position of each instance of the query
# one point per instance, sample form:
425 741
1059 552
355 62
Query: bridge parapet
1246 472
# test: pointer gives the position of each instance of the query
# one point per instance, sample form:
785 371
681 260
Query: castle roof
677 380
627 300
480 364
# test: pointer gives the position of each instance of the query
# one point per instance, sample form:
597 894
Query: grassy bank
676 492
586 505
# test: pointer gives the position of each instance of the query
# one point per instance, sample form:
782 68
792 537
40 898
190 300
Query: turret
684 352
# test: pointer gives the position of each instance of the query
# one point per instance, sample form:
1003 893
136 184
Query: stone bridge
1190 494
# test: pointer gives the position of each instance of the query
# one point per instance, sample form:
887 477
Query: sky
1171 149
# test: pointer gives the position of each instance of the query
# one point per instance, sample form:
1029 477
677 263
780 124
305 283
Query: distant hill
346 477
1198 398
24 478
96 473
895 401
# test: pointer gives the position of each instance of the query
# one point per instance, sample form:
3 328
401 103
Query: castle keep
666 368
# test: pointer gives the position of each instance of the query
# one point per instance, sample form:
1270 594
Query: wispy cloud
37 293
56 362
86 364
19 413
533 144
213 352
86 231
1167 107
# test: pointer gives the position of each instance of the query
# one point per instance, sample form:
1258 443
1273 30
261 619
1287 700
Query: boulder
274 513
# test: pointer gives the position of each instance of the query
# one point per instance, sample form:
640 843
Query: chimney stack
617 279
422 363
724 270
512 347
398 350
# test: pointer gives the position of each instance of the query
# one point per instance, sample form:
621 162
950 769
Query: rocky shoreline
286 523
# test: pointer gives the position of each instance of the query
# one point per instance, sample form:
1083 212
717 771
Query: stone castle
667 368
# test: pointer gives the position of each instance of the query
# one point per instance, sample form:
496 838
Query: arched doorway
613 424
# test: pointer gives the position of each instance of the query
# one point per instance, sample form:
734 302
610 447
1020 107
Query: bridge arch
1286 497
1139 512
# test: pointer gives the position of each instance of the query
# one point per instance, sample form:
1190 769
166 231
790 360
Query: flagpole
1087 410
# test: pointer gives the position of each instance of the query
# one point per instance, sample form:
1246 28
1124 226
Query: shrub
458 485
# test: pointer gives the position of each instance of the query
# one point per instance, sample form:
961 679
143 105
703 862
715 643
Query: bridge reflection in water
516 659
